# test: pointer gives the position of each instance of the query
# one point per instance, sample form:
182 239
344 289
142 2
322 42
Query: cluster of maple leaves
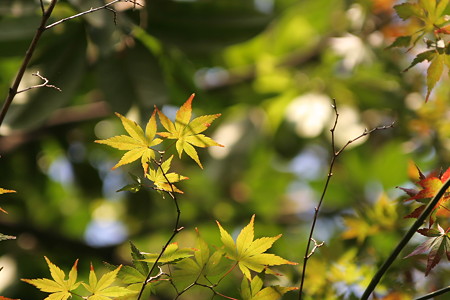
142 145
196 265
438 243
428 21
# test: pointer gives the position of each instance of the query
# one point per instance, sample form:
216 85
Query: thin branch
45 84
336 154
176 228
435 293
408 235
316 245
40 30
93 9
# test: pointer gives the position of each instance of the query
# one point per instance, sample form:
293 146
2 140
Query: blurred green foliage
267 66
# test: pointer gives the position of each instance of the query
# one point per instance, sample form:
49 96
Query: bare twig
45 84
335 155
316 245
176 228
46 13
107 6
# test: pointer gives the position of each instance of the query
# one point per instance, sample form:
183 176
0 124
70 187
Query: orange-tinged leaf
59 287
162 179
4 191
187 132
430 185
102 289
138 144
249 253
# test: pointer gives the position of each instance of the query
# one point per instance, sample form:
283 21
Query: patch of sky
102 233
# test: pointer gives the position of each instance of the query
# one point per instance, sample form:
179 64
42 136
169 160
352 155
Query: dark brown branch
335 155
40 30
176 228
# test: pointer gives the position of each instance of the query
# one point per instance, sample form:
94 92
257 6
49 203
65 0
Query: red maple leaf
430 185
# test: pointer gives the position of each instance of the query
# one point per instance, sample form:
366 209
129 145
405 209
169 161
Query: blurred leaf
171 254
132 76
64 67
437 247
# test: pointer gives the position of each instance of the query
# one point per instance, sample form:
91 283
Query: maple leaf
187 132
251 289
249 253
437 245
4 191
59 288
138 144
162 179
430 185
102 289
202 265
171 254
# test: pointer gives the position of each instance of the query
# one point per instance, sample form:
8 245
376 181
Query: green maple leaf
3 191
198 268
162 179
138 144
249 253
187 132
251 289
171 254
437 245
101 289
59 288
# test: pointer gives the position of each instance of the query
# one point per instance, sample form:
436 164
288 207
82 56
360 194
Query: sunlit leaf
251 289
4 191
162 179
171 254
58 286
138 144
102 289
434 73
249 253
430 185
187 132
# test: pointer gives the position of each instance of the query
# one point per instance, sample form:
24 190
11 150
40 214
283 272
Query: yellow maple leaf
138 144
187 132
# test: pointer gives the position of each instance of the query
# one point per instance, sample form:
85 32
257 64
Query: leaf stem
176 228
435 293
414 227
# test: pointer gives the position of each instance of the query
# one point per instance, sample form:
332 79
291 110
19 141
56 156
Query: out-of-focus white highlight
310 113
352 49
8 274
228 134
349 127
